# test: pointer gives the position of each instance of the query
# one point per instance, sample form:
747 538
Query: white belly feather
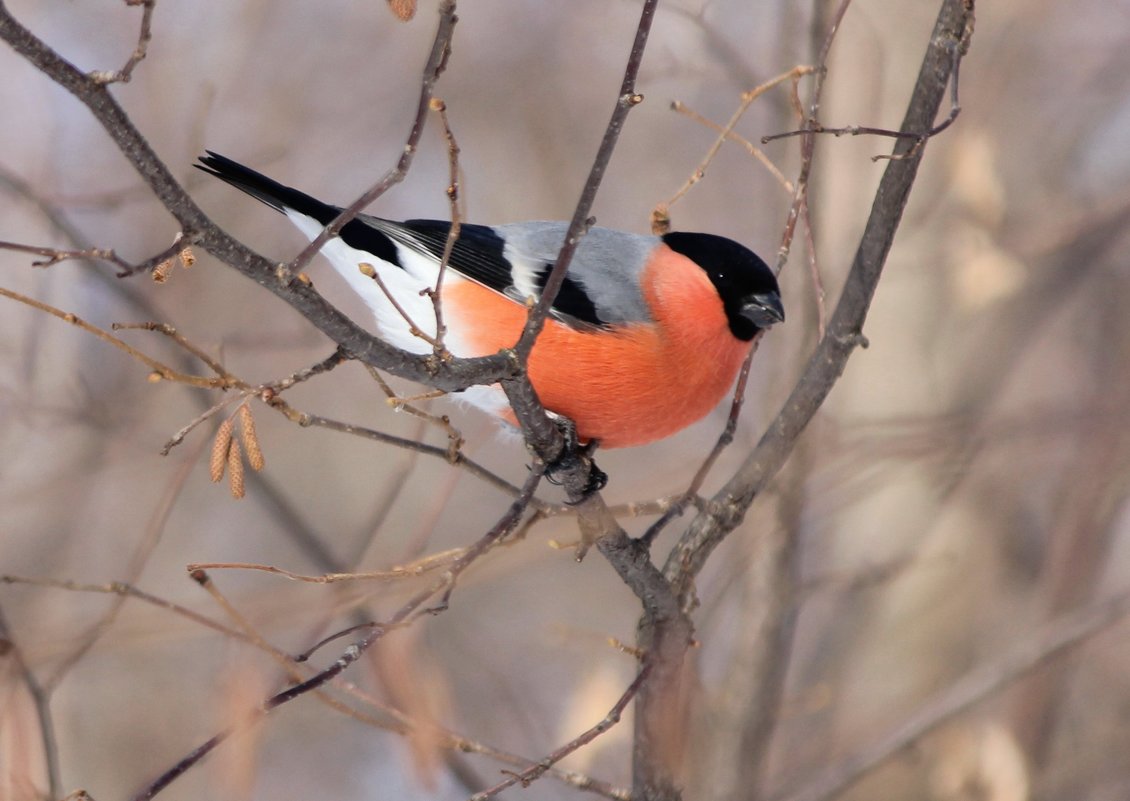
408 284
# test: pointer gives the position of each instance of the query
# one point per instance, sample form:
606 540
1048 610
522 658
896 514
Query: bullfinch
645 336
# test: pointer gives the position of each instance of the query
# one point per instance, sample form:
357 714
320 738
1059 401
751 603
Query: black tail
262 188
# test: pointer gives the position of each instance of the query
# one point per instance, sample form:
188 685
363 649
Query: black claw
573 453
598 479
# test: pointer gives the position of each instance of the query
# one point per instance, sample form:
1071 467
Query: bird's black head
745 283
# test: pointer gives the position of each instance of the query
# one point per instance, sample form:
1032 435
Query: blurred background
964 484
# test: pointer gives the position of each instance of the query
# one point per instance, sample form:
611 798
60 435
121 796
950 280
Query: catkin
221 445
403 9
162 271
250 438
235 470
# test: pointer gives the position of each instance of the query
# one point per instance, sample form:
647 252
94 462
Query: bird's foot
575 456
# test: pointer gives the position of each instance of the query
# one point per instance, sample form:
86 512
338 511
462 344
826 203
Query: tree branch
199 229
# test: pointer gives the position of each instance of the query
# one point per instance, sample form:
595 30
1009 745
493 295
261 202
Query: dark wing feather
480 254
477 254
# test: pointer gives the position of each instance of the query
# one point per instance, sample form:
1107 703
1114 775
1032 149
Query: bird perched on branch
644 338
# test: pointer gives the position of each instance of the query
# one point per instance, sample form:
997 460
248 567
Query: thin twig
814 270
127 590
437 62
454 436
627 99
55 255
407 612
154 528
815 127
735 137
269 392
661 220
144 35
182 341
845 328
536 771
454 198
727 131
160 370
370 272
427 564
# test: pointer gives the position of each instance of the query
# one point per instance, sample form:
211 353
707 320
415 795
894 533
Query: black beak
764 309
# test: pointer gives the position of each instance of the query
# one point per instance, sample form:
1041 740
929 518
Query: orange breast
623 387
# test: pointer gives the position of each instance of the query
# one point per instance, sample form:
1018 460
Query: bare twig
160 370
815 127
269 392
273 500
627 99
454 198
154 528
735 137
408 612
127 590
454 436
727 132
143 36
725 439
419 567
814 270
535 772
53 256
370 272
437 62
183 342
808 141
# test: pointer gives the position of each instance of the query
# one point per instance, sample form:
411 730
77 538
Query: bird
644 338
